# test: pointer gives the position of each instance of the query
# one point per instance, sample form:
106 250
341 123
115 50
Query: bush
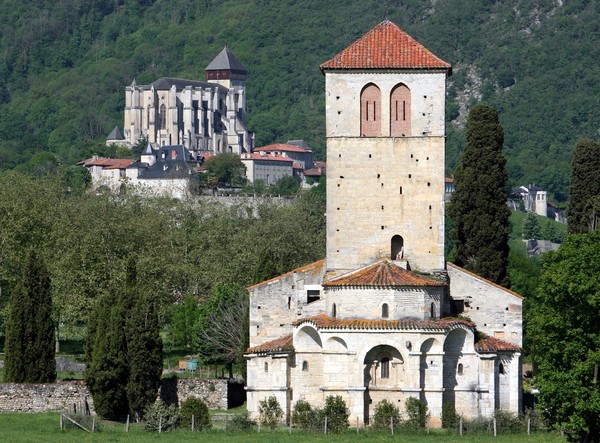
304 416
416 410
450 419
507 423
160 416
385 413
270 412
195 407
240 422
337 414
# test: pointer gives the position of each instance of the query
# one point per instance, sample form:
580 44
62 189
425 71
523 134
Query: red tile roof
383 274
283 147
108 163
264 156
386 46
281 344
322 321
492 344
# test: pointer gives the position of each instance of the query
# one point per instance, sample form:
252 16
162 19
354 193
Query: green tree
531 227
30 329
183 320
478 205
107 369
563 321
227 168
584 187
144 347
286 186
270 412
222 328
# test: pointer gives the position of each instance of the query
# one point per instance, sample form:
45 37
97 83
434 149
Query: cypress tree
585 186
30 330
107 371
124 352
478 206
144 347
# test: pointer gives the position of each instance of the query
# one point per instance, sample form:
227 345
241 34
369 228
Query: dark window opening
312 295
460 369
385 312
334 311
385 367
305 365
501 369
397 247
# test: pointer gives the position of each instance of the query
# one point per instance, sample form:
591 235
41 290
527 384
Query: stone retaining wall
70 395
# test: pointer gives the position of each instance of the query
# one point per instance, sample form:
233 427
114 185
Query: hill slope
65 64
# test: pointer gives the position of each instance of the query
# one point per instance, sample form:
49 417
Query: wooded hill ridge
64 66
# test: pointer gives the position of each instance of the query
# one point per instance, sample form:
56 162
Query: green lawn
45 428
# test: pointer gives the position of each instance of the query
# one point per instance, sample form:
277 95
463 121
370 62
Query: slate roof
169 167
165 84
386 46
281 344
115 134
383 274
492 345
225 60
323 321
283 147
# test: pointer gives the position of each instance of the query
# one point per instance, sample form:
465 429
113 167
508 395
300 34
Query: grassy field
45 428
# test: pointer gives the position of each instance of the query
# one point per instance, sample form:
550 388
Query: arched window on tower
397 248
400 111
385 367
385 311
162 117
370 111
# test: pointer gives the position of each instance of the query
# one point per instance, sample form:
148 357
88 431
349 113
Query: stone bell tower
385 106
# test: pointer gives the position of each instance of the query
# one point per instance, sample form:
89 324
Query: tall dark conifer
584 190
107 370
30 330
478 204
144 345
124 352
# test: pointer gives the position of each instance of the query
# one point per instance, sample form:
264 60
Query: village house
384 316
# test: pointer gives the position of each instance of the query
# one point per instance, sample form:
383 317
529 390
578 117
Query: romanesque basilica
384 316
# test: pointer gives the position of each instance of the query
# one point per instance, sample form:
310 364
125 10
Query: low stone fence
74 395
61 396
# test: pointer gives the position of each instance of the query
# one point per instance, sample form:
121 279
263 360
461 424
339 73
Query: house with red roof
383 316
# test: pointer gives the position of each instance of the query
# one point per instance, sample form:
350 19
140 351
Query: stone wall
17 397
67 395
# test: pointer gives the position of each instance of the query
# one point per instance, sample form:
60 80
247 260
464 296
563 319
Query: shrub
416 411
385 413
160 416
450 419
507 422
195 407
270 412
240 422
337 414
304 416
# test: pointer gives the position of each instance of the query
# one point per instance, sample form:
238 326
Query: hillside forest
65 64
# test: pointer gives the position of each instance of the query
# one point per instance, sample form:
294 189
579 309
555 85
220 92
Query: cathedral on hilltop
200 115
384 316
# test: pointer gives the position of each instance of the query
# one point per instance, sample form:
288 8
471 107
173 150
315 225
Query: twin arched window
370 111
